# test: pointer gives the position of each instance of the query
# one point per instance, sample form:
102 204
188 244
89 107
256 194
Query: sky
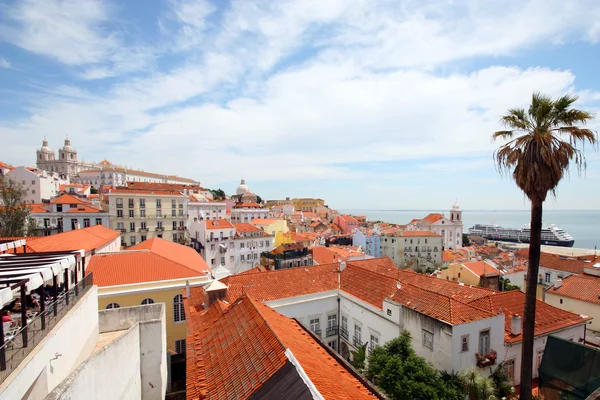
367 104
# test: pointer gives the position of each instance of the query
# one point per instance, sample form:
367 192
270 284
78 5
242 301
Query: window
212 246
389 312
357 335
331 344
561 301
231 258
241 245
159 225
315 325
547 277
32 191
86 222
213 261
131 214
143 225
130 203
174 225
158 204
464 343
374 342
98 221
222 260
178 309
484 342
181 213
132 227
173 213
59 207
158 213
540 356
428 339
142 238
173 203
131 240
143 213
331 324
180 346
142 203
119 213
147 301
112 305
119 226
509 370
119 203
242 257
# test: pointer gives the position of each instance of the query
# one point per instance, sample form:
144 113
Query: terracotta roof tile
37 208
574 265
264 221
175 252
433 218
245 227
218 224
579 287
87 239
547 318
83 208
366 285
480 268
68 199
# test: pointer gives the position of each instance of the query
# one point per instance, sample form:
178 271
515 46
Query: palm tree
543 143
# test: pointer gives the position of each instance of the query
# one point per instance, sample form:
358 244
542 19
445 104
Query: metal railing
356 341
23 341
344 333
317 332
331 331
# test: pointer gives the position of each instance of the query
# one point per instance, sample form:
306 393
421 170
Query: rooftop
218 224
271 354
68 199
88 239
579 287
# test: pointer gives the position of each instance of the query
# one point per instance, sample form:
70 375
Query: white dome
456 207
67 146
45 148
242 188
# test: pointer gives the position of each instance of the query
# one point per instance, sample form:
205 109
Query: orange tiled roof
85 209
136 172
88 239
264 221
37 208
218 224
221 368
247 205
67 199
178 253
383 266
245 227
433 218
366 285
281 284
144 265
438 306
172 193
6 166
480 268
348 218
579 287
547 318
574 265
163 186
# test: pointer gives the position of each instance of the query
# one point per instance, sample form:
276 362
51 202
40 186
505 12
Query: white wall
517 278
539 344
575 306
462 360
73 339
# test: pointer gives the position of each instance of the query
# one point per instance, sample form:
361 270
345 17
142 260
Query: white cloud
4 63
302 90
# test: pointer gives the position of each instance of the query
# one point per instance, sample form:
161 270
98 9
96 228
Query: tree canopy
13 210
403 375
218 194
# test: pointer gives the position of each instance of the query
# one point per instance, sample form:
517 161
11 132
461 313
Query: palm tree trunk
530 300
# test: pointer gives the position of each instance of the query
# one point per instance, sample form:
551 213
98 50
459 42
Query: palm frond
503 135
516 119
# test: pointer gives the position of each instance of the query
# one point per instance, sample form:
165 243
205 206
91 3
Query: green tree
93 190
542 144
477 386
13 210
32 228
504 390
359 356
218 194
258 199
505 285
403 375
465 240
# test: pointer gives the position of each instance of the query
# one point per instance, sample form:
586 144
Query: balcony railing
143 229
317 332
123 230
331 330
356 341
159 229
15 350
344 333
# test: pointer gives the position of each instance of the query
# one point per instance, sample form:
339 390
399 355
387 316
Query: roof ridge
372 272
251 300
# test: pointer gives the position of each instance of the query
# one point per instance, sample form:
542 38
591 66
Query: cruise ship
552 235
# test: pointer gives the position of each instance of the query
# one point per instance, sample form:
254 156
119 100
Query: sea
584 226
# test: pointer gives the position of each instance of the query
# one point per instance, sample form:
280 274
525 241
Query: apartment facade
308 204
39 185
201 209
140 215
412 248
368 240
67 213
246 212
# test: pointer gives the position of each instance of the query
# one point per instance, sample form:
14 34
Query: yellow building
477 273
307 204
155 271
272 226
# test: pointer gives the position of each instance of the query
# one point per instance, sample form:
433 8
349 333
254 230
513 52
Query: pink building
346 223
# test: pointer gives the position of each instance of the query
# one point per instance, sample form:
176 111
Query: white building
142 214
453 326
40 186
236 247
202 208
412 248
67 213
246 208
66 163
451 229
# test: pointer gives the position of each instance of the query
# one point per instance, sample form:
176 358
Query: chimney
558 283
342 265
187 289
515 325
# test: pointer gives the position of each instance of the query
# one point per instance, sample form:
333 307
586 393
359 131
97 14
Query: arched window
112 305
147 301
178 309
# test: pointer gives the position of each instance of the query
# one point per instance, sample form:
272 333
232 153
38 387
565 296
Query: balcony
317 332
487 359
356 341
331 331
344 333
123 230
143 229
159 229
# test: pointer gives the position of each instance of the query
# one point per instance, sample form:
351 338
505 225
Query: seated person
16 307
6 317
31 302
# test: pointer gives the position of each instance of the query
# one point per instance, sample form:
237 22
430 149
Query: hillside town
190 292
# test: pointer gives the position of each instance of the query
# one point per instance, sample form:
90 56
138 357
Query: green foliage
465 240
93 190
403 375
503 389
477 386
505 285
14 211
32 228
218 194
359 356
258 199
